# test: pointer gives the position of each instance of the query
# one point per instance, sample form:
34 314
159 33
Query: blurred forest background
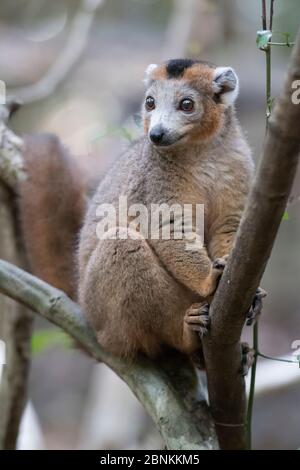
95 111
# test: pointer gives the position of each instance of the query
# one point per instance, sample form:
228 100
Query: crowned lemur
141 294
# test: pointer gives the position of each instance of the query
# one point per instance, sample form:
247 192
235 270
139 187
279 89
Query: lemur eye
150 103
187 105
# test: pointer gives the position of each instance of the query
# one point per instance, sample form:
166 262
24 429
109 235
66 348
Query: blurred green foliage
48 338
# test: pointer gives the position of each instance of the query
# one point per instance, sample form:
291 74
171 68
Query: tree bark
261 220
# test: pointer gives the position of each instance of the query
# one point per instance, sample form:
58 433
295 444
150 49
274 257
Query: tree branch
167 390
67 59
261 220
264 15
271 15
15 329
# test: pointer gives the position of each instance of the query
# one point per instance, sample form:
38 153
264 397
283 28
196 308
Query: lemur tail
51 205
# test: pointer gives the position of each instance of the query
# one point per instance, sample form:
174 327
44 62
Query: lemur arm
222 234
192 268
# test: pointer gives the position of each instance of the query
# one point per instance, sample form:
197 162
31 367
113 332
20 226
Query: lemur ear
226 85
148 72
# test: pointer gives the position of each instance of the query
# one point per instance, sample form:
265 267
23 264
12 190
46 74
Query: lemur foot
197 318
248 355
256 307
220 263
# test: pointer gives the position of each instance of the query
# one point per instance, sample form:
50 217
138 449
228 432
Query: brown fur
200 72
201 76
146 125
212 122
159 73
136 292
52 204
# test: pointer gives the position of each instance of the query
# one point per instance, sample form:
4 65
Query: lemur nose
157 134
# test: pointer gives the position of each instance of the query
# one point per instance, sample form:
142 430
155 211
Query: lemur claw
256 307
248 356
197 318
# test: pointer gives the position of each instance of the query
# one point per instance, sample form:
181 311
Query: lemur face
186 101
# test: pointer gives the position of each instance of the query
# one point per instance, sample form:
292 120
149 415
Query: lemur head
186 101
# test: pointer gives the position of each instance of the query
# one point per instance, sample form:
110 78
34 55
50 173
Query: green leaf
48 338
286 216
263 38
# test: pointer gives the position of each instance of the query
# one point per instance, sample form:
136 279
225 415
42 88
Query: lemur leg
134 304
139 315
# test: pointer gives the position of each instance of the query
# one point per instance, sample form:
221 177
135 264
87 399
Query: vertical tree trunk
15 331
262 217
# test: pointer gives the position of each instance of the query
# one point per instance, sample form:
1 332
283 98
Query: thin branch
285 44
261 220
269 103
271 15
277 359
75 45
167 390
252 388
264 15
273 376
